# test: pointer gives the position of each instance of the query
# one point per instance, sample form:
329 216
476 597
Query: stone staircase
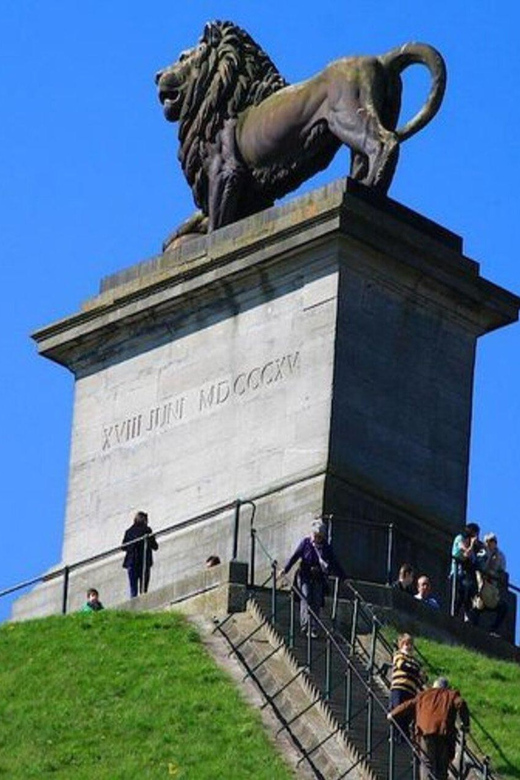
350 712
326 751
332 733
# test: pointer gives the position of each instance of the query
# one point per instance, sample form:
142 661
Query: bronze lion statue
247 137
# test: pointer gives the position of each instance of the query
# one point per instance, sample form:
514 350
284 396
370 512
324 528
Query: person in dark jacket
404 582
317 562
435 713
138 544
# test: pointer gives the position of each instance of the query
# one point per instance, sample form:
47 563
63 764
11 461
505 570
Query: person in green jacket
93 603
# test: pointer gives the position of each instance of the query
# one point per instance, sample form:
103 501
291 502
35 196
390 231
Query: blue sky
91 184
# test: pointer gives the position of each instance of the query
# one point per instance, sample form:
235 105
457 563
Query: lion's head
223 75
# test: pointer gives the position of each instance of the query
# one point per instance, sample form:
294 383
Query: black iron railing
63 573
360 667
387 550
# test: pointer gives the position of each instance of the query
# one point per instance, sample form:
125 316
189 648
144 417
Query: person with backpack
492 585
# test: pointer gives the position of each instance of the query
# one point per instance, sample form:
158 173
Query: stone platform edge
343 210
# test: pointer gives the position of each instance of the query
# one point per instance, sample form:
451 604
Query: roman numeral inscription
247 382
209 397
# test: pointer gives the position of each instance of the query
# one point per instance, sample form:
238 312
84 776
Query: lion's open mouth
170 100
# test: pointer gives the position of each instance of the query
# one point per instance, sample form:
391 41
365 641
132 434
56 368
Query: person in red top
435 712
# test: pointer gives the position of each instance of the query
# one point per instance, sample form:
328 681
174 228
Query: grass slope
492 691
118 696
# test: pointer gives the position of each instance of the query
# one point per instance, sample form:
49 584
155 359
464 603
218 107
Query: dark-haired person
404 581
467 555
424 592
93 604
138 544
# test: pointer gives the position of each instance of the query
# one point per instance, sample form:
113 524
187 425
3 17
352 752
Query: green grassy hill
120 696
492 690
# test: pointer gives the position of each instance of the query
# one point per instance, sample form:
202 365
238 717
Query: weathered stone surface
313 353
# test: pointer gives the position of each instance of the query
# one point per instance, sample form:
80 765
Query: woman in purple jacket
317 562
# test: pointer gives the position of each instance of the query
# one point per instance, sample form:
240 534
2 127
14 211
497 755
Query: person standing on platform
467 554
495 561
138 544
493 584
405 579
424 592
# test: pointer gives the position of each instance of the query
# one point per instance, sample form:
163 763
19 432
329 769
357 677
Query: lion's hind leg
358 165
384 172
381 148
374 153
383 163
355 119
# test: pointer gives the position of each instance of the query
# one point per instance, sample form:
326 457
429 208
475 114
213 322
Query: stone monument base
315 358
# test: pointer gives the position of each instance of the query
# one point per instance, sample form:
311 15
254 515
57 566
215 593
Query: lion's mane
233 73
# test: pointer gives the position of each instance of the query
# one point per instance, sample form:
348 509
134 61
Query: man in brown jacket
435 712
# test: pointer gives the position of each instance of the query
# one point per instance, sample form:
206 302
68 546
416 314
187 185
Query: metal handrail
466 756
482 765
332 644
67 569
391 529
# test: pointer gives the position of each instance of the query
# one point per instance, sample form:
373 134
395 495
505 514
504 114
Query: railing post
144 570
335 603
391 752
309 642
236 527
65 596
291 618
252 556
274 572
328 667
462 751
348 697
453 590
353 627
370 721
389 554
373 644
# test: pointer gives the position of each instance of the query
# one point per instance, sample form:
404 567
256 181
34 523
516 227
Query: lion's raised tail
397 60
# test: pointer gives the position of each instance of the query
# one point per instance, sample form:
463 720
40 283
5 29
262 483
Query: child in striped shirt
407 676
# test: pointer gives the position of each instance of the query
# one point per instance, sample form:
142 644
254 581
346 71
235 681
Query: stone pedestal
317 357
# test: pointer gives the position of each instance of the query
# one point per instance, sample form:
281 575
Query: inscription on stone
191 404
273 371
